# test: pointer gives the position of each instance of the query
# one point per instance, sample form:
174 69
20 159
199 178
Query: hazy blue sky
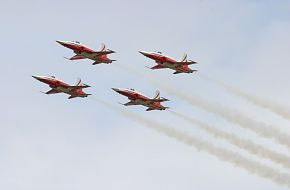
49 142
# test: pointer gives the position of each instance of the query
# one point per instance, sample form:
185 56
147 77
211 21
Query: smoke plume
245 144
221 153
276 108
231 115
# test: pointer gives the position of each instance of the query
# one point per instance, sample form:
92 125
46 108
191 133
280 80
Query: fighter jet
164 61
83 52
58 86
136 98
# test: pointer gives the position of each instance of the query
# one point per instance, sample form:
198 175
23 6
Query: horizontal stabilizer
76 87
96 53
189 62
82 96
177 72
96 62
158 100
191 71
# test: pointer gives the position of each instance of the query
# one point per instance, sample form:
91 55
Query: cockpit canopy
132 89
52 77
77 42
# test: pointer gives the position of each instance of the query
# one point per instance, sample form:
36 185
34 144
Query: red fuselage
139 98
158 57
81 49
166 61
58 85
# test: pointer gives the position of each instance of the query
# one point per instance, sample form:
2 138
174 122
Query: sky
50 142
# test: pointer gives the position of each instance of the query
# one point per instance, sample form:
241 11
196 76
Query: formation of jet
83 52
137 98
164 61
58 86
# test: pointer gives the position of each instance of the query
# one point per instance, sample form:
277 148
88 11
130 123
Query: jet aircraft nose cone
36 77
60 42
143 52
116 89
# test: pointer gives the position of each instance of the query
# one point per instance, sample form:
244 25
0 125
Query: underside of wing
156 67
131 103
52 91
76 57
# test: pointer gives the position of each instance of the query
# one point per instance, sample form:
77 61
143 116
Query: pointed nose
116 89
143 52
61 42
37 77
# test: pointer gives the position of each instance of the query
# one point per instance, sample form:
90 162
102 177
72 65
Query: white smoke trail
245 144
231 115
221 153
276 108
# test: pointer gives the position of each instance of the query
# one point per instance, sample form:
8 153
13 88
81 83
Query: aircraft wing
131 103
52 91
76 57
156 67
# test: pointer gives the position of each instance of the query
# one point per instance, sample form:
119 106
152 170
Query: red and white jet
83 52
164 61
136 98
59 86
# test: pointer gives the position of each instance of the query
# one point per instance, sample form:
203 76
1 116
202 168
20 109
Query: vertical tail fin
103 47
184 58
78 82
157 95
